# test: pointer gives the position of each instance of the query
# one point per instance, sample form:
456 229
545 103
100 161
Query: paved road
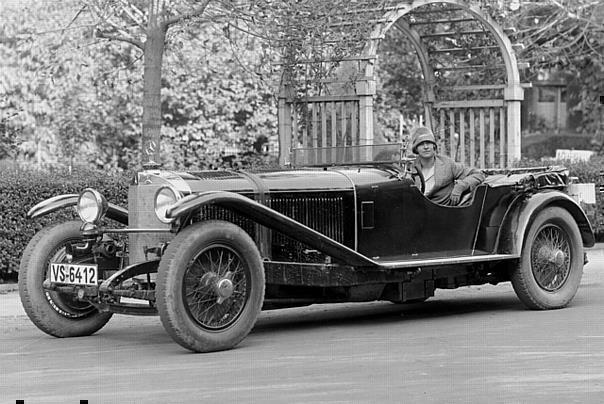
472 345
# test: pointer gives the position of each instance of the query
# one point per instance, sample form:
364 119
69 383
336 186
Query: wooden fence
473 132
320 122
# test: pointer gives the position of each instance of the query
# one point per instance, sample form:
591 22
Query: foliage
585 171
399 86
62 101
69 98
70 95
313 37
566 36
206 113
158 26
558 36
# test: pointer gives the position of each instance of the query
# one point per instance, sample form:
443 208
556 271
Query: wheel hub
553 256
224 289
222 286
559 258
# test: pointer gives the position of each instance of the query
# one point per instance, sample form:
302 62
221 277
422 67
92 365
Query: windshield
347 155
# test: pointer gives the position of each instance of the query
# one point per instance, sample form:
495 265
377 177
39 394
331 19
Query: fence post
513 96
285 131
365 90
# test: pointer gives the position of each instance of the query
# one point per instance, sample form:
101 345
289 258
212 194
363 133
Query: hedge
546 144
22 188
585 171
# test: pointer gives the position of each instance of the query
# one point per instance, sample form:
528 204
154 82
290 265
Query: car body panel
521 214
408 224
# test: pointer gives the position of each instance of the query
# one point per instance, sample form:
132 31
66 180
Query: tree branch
132 41
249 32
75 17
128 10
195 13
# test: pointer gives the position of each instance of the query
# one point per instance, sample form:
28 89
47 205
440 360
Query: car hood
311 180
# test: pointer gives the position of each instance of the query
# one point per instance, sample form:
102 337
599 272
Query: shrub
585 171
22 188
546 145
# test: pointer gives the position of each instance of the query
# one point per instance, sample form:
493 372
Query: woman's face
426 150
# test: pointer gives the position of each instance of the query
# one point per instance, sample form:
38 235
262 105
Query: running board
414 263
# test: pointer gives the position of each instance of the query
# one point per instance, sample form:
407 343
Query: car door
396 221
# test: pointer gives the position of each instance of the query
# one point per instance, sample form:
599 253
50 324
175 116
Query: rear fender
272 219
58 202
519 218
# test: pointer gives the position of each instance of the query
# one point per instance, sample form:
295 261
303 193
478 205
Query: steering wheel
417 175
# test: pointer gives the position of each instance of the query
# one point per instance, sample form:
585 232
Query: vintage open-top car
208 250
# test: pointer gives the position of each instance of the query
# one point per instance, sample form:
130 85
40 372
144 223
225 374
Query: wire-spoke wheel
550 258
215 287
57 314
551 267
210 286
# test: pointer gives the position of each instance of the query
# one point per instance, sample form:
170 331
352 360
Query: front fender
55 203
518 219
272 219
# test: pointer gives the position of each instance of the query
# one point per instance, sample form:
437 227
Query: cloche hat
419 135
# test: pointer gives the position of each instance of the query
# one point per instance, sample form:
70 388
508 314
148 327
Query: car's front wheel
550 270
210 286
55 313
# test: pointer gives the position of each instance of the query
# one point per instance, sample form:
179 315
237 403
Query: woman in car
445 179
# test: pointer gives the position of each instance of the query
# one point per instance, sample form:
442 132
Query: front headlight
164 198
92 206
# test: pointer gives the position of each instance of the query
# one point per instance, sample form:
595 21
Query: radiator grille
323 213
211 212
141 215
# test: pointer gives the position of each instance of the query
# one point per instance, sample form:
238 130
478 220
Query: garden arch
459 48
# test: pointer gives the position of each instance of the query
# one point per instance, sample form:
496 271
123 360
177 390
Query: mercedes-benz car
209 250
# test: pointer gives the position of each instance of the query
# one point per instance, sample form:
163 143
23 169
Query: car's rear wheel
550 270
210 286
57 314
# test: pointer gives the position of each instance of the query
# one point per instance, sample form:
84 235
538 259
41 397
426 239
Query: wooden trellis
482 132
323 121
474 133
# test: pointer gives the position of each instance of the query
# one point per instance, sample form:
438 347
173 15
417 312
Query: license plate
74 274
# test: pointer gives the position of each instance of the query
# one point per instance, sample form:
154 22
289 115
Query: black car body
208 250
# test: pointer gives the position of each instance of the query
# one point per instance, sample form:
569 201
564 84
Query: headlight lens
164 198
91 206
